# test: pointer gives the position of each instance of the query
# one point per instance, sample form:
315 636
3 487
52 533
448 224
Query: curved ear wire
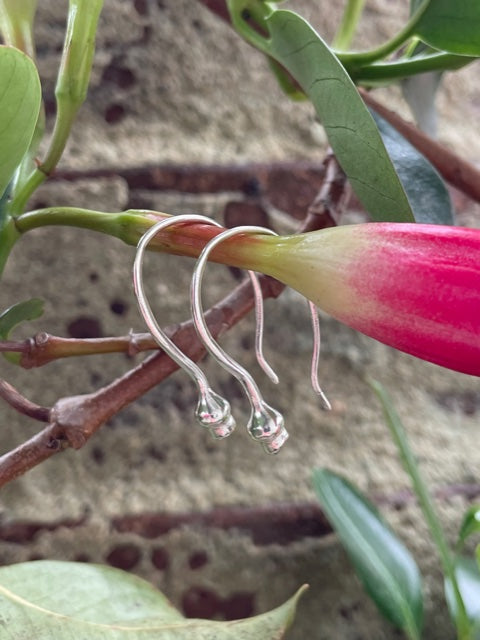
213 411
265 423
316 356
259 323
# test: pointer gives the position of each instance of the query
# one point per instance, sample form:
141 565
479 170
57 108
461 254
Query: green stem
70 91
367 57
347 27
63 124
391 71
8 236
408 459
187 239
245 12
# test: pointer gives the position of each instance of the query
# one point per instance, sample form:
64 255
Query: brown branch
330 202
21 404
461 174
45 348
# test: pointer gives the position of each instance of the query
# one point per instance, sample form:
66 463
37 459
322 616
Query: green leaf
50 600
451 26
350 128
20 96
383 564
470 525
17 313
468 580
429 197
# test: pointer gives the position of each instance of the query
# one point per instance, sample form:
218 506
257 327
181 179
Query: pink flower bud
414 287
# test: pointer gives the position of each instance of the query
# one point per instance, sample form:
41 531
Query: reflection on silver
316 356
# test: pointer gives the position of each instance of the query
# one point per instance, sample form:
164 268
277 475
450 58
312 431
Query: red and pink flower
414 287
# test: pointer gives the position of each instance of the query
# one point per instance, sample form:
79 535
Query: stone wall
150 492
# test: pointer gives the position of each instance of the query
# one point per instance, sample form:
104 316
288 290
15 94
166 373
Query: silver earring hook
265 424
213 411
316 356
259 324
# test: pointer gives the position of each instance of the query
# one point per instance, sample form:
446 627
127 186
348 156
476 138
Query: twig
332 198
461 174
21 404
45 348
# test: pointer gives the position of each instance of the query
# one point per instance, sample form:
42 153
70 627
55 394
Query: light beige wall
192 92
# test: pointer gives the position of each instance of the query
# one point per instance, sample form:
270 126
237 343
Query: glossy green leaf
468 580
429 197
386 568
18 313
470 525
452 26
350 128
50 600
20 97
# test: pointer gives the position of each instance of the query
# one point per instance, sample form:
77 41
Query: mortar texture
173 84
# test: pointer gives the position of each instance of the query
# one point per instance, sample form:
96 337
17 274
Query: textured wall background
172 84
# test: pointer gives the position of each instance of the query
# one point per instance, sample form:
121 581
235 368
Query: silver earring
213 411
265 424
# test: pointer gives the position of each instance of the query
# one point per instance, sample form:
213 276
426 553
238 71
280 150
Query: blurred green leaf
386 568
429 197
468 580
470 525
49 600
351 130
451 26
18 313
20 97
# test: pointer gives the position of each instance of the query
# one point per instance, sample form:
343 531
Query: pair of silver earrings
266 424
